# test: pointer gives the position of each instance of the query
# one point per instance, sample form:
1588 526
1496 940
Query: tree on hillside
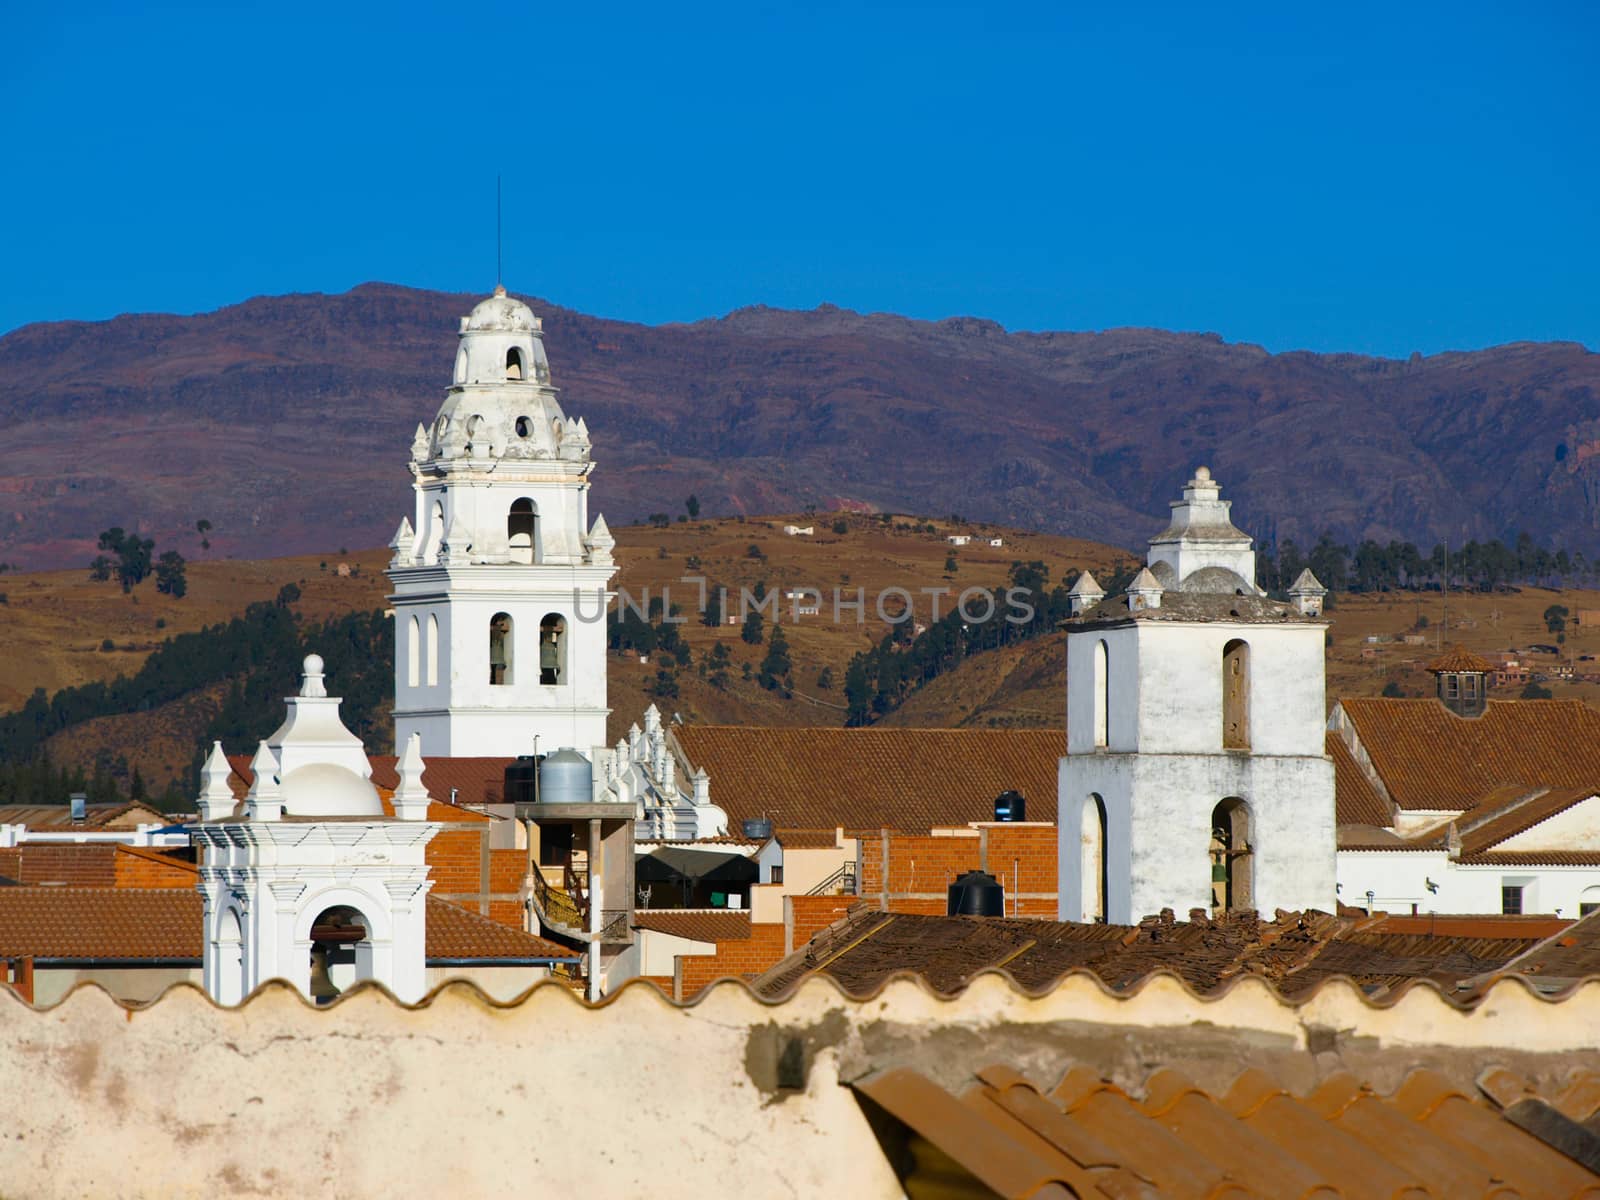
692 506
1535 692
203 527
751 630
170 576
1555 618
100 568
776 667
133 554
711 615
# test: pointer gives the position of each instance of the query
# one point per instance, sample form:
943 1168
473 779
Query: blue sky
1381 179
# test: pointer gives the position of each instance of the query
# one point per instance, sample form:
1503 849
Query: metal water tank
976 894
566 777
522 779
1010 806
757 829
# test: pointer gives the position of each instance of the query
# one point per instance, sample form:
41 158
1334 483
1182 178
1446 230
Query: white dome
501 313
329 790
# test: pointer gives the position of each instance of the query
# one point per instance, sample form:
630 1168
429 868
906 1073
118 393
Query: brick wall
745 959
138 871
807 915
916 869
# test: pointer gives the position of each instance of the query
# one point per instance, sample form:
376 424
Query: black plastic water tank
522 780
976 894
1010 806
757 829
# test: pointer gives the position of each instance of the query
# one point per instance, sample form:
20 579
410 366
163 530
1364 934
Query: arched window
341 952
522 527
1232 857
1236 696
514 364
553 649
1102 694
1093 868
433 650
413 653
500 649
1588 900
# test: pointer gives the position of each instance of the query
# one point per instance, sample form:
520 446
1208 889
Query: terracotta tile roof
101 923
455 933
809 839
1296 952
1379 963
143 924
1007 1137
1560 960
1484 829
1458 658
1429 758
85 865
1532 858
1356 801
904 779
698 924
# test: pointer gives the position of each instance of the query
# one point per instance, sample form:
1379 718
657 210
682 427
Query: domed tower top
501 404
1200 550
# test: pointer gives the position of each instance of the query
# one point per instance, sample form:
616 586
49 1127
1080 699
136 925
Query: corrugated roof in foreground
1004 1136
905 779
1296 953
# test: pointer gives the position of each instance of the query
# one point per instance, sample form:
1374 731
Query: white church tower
309 880
499 580
1196 774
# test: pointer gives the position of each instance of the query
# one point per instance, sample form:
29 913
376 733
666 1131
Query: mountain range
286 422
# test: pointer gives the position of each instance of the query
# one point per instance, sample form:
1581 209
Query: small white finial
411 798
499 290
216 797
1202 473
265 801
312 687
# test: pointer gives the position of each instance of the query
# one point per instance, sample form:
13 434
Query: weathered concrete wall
464 1097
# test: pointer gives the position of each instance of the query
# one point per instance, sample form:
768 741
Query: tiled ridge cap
1154 981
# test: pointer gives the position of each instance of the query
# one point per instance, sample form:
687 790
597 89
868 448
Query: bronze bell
323 990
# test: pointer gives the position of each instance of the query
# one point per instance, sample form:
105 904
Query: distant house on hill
799 530
958 539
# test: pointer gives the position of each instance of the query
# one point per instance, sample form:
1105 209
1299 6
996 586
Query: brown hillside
285 421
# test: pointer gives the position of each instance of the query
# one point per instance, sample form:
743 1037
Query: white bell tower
500 583
310 880
1196 774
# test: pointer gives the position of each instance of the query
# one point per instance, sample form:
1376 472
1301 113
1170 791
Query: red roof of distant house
1459 659
869 779
1430 758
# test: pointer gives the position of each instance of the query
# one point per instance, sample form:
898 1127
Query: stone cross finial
216 801
311 685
